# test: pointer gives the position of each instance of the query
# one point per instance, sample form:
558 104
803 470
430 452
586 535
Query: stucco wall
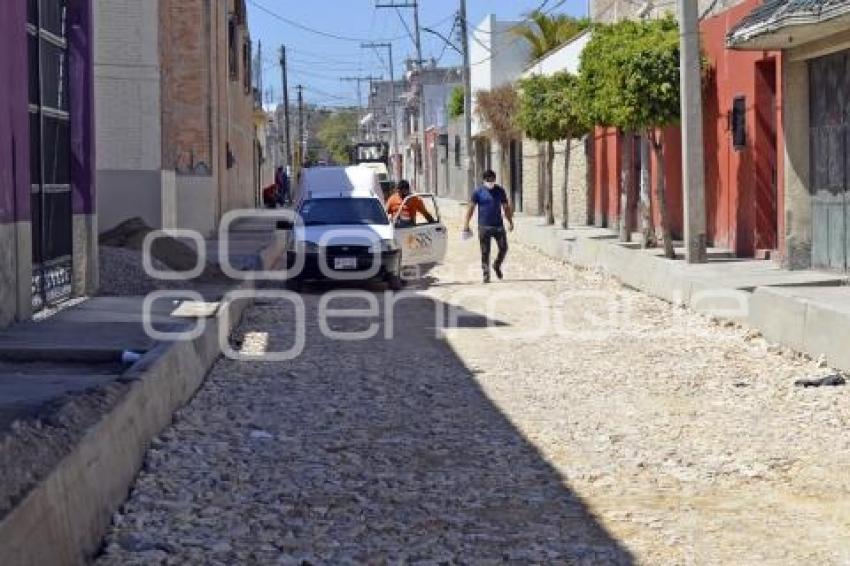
534 191
497 57
195 209
14 151
798 199
577 190
531 188
206 114
457 183
126 194
127 85
565 58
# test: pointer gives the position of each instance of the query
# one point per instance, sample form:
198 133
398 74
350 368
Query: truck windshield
357 211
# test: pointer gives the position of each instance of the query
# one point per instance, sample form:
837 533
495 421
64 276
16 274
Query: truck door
423 241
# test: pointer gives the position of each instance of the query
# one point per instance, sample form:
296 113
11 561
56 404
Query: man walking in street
490 199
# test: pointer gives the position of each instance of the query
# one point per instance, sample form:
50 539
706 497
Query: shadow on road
395 452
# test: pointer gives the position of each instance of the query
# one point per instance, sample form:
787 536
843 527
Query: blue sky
318 61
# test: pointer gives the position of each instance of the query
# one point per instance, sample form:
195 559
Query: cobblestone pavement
570 421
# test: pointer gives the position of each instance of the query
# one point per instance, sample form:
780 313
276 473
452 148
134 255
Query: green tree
545 32
456 100
551 110
336 134
497 109
630 80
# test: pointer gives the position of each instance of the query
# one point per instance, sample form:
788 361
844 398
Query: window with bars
246 66
232 49
738 123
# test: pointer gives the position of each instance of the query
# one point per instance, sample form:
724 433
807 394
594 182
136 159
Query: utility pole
287 142
359 81
417 40
693 156
467 98
370 130
301 153
393 111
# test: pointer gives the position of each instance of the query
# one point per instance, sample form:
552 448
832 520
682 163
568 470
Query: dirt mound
171 252
131 234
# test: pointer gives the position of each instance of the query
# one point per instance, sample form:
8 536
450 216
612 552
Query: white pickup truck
342 231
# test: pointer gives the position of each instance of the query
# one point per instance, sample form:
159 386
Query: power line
329 35
302 27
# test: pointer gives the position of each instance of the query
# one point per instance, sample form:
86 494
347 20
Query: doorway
50 150
765 236
829 92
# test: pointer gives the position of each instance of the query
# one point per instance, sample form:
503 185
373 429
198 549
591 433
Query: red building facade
743 149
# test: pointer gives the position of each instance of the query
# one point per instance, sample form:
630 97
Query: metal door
423 244
50 136
829 119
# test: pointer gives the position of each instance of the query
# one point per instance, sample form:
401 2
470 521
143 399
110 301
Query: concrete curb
808 313
62 520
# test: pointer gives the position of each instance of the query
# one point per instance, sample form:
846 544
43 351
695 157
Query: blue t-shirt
489 202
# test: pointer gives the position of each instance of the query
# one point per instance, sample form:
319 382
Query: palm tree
545 32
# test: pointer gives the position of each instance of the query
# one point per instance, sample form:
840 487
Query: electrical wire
446 43
309 29
326 34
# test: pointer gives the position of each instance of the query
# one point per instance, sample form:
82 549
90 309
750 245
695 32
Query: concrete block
779 316
827 332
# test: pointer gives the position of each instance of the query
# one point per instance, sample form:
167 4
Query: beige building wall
207 108
577 189
127 98
531 177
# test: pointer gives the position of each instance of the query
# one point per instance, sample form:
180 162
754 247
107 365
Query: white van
343 232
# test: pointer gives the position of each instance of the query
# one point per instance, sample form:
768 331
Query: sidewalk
808 311
75 420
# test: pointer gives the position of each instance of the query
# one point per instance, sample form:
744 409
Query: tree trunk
661 194
626 181
541 181
550 178
648 239
504 170
565 196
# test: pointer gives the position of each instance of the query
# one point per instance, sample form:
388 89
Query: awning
783 24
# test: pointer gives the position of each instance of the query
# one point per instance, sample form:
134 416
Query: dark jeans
485 234
283 196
